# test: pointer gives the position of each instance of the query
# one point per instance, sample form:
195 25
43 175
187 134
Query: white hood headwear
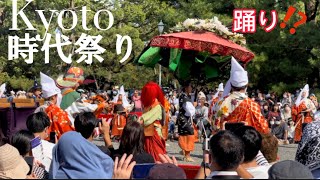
220 89
2 89
300 99
125 102
49 87
238 77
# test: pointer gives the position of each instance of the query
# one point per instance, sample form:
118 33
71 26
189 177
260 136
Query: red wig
150 92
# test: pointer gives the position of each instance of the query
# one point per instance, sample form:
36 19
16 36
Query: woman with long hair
153 119
132 142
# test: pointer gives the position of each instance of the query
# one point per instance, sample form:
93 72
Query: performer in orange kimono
71 101
301 112
153 102
59 119
120 113
237 107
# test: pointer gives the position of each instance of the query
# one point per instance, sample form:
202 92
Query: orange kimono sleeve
59 119
99 110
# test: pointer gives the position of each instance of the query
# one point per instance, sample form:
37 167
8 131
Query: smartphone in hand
29 160
53 137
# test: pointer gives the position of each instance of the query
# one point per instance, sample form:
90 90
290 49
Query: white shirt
260 172
47 152
222 173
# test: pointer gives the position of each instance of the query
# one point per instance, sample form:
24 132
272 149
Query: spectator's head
81 159
12 164
286 108
252 142
265 107
269 147
38 124
21 140
166 171
289 170
132 139
227 151
150 93
85 123
275 108
136 93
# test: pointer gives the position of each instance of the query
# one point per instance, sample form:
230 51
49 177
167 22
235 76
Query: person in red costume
59 120
153 119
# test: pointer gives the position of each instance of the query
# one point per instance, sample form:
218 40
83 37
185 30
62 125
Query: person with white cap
60 122
213 103
238 107
201 117
302 111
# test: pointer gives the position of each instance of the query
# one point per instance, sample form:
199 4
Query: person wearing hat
36 90
238 107
60 122
201 117
12 164
120 109
71 100
302 111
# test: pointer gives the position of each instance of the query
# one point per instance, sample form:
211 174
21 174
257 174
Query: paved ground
286 152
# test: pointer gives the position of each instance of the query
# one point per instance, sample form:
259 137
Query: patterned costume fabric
165 127
59 120
212 107
308 152
155 143
297 117
239 108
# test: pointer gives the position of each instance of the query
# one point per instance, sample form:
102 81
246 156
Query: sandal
189 159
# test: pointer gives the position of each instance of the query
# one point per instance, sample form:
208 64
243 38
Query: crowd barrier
13 114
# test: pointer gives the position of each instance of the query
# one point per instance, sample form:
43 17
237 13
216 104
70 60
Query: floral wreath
211 25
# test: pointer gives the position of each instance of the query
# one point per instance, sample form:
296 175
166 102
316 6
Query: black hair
37 122
227 150
85 123
185 84
252 140
21 140
233 88
272 108
132 139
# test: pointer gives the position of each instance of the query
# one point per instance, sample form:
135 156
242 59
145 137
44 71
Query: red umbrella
203 41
